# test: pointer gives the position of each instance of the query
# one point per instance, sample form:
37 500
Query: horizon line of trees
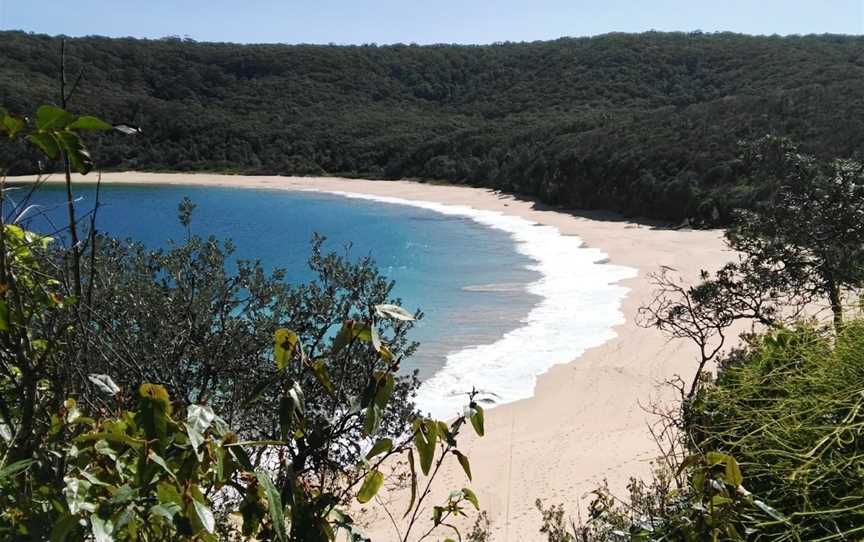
644 124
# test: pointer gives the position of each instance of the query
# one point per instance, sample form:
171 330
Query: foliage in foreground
786 411
789 408
225 423
770 449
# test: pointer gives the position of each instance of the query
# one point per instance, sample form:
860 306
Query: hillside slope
646 124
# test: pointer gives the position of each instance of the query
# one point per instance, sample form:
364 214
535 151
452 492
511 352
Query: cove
466 277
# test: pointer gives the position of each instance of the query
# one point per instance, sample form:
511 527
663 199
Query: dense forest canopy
647 124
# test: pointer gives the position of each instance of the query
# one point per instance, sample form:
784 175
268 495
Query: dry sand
585 423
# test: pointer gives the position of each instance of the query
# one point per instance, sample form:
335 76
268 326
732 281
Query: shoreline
488 365
585 422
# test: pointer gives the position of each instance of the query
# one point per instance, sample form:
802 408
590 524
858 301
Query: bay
467 278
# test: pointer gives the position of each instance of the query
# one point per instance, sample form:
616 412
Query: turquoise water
466 277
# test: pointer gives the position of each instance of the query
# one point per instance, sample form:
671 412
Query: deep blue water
437 261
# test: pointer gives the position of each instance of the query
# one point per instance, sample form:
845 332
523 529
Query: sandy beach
584 423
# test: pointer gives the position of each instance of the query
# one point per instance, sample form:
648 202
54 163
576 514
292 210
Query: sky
416 21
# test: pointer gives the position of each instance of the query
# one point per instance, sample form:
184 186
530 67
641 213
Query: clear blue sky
422 21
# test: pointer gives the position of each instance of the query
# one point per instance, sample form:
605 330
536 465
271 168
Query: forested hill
647 124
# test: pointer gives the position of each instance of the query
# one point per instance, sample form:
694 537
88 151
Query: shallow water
441 264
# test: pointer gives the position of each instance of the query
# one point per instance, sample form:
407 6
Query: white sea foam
580 303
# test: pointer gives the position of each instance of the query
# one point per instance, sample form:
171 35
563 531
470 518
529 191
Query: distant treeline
647 124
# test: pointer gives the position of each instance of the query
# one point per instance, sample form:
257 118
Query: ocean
504 299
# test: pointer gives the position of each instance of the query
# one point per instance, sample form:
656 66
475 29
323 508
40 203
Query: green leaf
167 493
87 122
79 156
344 337
14 468
471 497
4 316
205 516
166 510
362 332
476 418
386 354
285 345
47 143
463 460
49 117
11 124
697 480
240 456
437 512
393 311
385 390
196 439
319 369
123 494
93 479
413 483
154 411
372 419
274 502
716 458
733 474
370 486
156 458
425 436
720 500
382 446
156 393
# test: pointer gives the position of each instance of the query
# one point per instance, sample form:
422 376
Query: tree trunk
836 304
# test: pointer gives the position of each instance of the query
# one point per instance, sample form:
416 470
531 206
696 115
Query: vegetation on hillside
647 124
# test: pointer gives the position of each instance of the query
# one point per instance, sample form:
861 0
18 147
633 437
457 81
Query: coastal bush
786 412
789 409
799 250
770 448
809 232
158 396
206 328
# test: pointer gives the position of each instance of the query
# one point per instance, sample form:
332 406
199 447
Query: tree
811 230
803 245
